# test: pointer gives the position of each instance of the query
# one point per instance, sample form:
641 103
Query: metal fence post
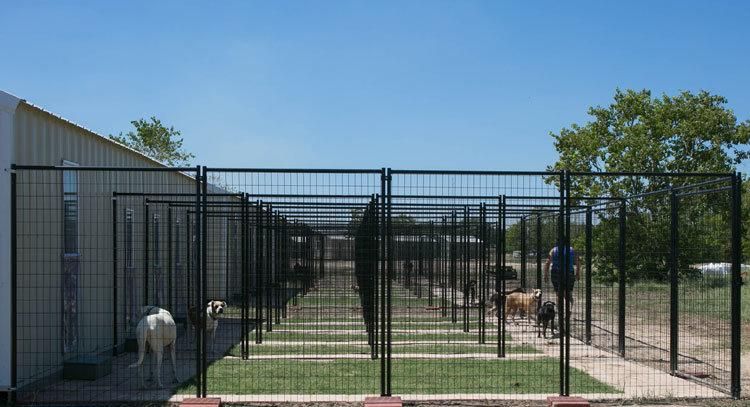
146 247
568 287
562 254
501 306
169 259
465 269
259 266
199 254
13 288
523 251
114 273
589 257
736 283
621 282
539 250
384 254
673 289
389 291
204 282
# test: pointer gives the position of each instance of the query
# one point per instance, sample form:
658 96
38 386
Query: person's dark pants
557 283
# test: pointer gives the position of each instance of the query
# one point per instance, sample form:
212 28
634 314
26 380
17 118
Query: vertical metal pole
115 308
539 250
562 253
383 282
169 259
322 255
501 306
245 277
389 299
278 301
481 297
188 272
589 257
674 315
13 288
146 248
522 223
443 268
259 267
466 269
270 275
204 281
420 262
736 283
568 287
453 271
198 266
431 266
621 284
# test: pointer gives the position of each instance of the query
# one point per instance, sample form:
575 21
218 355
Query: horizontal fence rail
302 285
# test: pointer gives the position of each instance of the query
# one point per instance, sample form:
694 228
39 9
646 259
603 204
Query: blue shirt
556 260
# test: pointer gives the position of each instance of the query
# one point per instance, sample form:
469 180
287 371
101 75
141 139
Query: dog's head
216 307
547 309
537 293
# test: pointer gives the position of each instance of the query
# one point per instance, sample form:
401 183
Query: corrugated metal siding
43 139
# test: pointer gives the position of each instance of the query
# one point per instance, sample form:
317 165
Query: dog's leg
158 356
173 352
539 330
213 340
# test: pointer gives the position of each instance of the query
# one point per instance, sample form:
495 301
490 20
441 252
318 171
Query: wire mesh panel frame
198 206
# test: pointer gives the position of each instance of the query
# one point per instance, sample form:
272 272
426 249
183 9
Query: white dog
214 310
157 330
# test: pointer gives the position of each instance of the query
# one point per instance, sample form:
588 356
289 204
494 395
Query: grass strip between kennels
410 376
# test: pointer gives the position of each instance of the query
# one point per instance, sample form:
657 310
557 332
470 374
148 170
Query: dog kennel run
348 283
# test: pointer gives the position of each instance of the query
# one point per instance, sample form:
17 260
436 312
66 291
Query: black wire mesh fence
312 285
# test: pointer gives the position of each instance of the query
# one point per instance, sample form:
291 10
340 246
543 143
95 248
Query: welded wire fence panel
305 285
311 308
452 339
101 275
648 309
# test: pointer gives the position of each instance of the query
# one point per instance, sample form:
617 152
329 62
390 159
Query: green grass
415 336
695 296
410 318
410 376
406 325
312 349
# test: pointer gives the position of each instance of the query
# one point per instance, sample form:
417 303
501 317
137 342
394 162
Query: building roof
87 130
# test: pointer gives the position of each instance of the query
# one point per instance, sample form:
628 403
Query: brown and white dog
157 330
214 311
522 302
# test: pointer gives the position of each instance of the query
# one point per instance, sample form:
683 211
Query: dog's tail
141 347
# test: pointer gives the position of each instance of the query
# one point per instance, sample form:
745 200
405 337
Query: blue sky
404 84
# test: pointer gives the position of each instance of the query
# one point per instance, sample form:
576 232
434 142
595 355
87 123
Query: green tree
157 141
688 132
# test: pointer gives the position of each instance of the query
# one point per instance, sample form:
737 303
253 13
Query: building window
70 210
129 252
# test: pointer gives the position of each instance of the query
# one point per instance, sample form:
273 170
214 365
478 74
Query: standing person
574 271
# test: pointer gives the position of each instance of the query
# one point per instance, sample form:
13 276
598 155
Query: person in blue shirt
574 271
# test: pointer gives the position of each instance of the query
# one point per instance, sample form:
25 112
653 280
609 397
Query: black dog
546 315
